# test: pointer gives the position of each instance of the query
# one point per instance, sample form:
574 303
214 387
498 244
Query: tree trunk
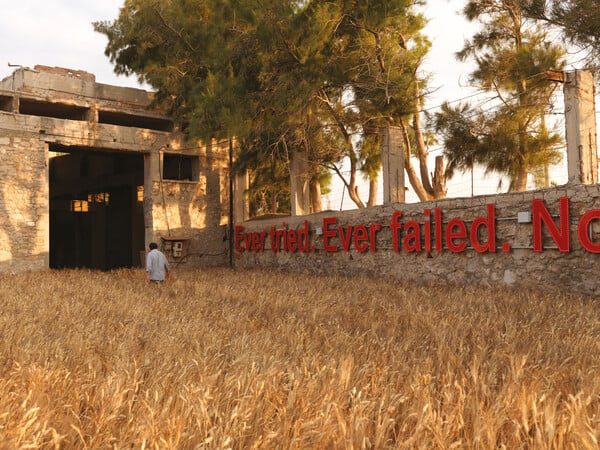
420 141
351 185
425 188
372 192
316 204
274 202
439 178
352 188
413 178
521 181
353 193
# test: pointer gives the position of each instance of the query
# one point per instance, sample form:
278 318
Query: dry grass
222 359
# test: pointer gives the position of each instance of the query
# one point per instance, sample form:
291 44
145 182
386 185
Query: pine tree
579 19
312 76
512 55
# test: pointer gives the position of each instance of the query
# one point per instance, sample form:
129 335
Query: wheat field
230 359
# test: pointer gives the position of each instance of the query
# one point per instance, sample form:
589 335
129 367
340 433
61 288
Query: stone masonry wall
194 210
577 270
24 215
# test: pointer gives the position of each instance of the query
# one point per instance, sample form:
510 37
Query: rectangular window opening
135 121
181 167
79 206
54 110
101 198
6 103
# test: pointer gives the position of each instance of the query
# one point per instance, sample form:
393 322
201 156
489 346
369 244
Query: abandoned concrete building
89 175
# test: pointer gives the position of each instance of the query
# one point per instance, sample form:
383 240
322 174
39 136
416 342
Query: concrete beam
392 157
57 85
580 125
84 133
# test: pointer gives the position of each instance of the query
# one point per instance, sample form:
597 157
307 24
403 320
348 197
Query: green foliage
512 55
458 131
308 74
269 190
493 140
144 41
370 154
579 19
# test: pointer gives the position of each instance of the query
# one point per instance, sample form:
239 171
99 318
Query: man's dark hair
153 246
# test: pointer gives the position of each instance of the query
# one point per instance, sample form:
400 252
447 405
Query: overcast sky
60 33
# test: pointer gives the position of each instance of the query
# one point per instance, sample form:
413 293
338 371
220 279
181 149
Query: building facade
90 174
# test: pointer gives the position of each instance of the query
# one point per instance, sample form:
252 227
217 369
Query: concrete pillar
392 157
580 125
241 208
151 173
93 114
300 184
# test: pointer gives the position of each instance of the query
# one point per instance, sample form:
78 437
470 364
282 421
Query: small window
140 194
180 167
99 198
79 206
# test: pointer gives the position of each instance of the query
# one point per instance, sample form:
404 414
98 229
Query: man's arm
148 266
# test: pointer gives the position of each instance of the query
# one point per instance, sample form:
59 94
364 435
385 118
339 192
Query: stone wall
24 215
196 210
512 263
64 114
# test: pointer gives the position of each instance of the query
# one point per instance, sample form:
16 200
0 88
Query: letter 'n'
560 235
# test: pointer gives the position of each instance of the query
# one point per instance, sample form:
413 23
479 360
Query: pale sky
60 33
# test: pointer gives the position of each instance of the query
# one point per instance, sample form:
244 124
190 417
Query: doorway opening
96 208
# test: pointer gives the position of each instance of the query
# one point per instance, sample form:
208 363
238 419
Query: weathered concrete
195 210
392 157
580 127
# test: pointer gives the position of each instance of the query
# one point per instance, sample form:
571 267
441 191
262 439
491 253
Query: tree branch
173 30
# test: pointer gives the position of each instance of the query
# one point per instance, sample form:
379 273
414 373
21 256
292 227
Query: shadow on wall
211 205
199 211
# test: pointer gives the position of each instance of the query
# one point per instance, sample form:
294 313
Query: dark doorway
96 208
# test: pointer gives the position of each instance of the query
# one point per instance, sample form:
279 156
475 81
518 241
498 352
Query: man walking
157 266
